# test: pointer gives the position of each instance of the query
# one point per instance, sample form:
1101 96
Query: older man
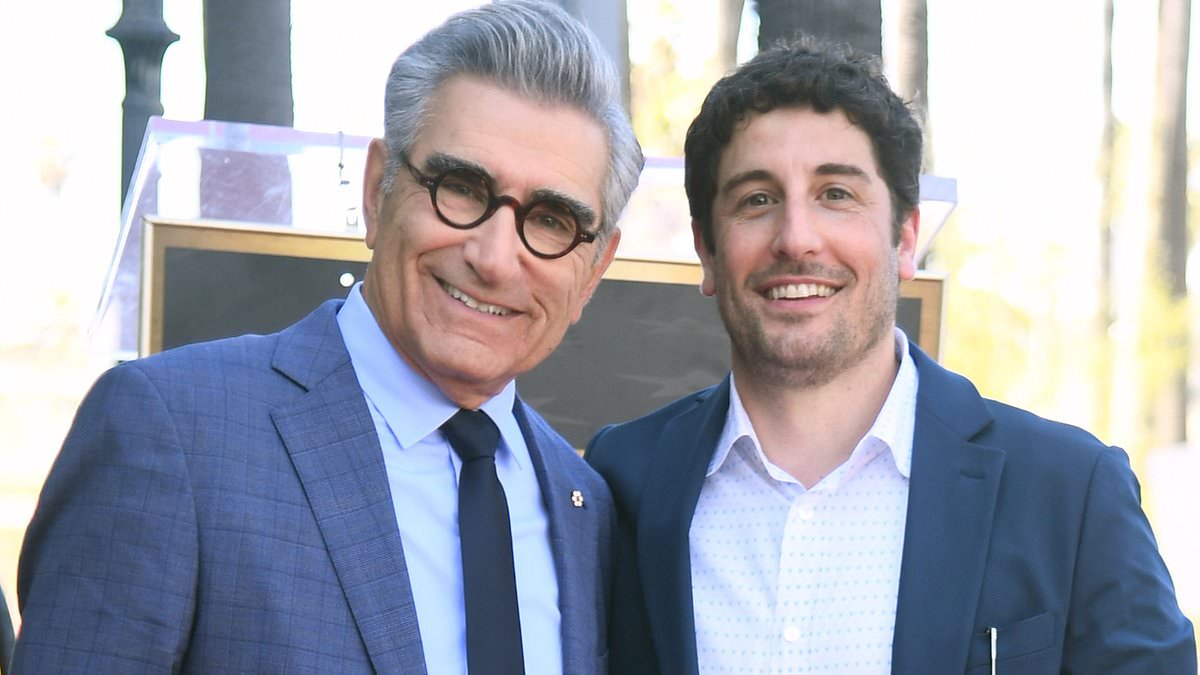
364 491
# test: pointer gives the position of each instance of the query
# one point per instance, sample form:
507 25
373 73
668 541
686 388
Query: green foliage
1163 352
666 92
1162 342
655 86
985 332
984 339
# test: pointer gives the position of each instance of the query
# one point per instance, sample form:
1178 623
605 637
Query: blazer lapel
331 439
568 541
675 476
951 504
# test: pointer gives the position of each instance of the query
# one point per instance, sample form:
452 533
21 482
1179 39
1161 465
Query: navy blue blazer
1016 522
224 508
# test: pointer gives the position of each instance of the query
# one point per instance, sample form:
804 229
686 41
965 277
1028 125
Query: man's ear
597 273
906 249
373 196
708 283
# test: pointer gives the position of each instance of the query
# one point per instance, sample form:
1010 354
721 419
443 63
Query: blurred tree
248 61
1165 325
912 67
609 21
666 91
248 64
986 331
658 90
856 22
729 26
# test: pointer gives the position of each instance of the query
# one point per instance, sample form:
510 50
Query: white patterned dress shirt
793 580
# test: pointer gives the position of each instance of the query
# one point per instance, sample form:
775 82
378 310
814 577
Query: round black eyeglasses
463 198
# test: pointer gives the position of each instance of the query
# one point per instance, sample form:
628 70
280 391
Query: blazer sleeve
108 570
1124 617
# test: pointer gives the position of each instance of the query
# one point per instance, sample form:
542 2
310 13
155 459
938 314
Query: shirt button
807 512
791 634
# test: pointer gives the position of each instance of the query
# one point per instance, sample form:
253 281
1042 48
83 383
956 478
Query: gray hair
539 51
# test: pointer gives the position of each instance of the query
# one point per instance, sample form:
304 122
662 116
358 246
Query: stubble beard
797 357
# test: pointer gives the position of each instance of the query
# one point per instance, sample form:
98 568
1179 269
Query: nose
493 248
798 233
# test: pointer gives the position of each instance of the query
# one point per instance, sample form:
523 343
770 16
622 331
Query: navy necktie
489 582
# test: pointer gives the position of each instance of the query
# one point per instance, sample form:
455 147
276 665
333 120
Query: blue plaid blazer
224 508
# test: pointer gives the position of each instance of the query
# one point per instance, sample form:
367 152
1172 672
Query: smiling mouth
799 291
482 307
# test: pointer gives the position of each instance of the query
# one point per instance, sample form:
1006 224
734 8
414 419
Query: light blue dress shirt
423 473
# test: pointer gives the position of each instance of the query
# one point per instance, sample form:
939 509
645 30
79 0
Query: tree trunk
1169 259
609 22
729 25
912 61
248 59
856 22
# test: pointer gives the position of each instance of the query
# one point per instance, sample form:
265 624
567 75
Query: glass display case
221 172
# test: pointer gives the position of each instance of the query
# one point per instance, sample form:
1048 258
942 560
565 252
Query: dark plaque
646 338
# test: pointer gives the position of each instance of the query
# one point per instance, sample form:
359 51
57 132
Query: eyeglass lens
464 197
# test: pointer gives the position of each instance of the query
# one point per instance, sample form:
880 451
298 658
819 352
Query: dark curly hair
806 73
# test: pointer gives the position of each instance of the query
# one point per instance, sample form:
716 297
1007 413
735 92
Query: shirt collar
737 427
897 418
893 425
412 406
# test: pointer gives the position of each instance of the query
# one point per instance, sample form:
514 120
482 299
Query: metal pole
144 38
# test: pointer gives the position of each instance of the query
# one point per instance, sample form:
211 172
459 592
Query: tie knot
472 434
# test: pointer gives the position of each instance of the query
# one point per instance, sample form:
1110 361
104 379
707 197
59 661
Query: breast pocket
1022 647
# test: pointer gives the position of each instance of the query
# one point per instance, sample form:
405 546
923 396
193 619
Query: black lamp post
144 38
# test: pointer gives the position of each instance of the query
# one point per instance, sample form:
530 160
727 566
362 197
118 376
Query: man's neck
809 431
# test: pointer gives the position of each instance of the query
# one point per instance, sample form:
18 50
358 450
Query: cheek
564 303
389 252
735 263
405 243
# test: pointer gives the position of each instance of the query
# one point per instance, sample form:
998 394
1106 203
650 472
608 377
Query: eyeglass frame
495 201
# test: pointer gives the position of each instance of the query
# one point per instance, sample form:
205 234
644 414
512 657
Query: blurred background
1068 259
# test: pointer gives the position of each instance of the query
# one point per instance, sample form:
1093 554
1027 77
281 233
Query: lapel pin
577 499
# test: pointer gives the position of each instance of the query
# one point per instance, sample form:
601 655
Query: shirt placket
798 586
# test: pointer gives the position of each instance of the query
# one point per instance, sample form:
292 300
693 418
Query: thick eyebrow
834 169
584 214
827 169
438 162
738 179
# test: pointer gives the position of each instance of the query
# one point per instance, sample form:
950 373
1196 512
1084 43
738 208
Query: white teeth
473 303
799 291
